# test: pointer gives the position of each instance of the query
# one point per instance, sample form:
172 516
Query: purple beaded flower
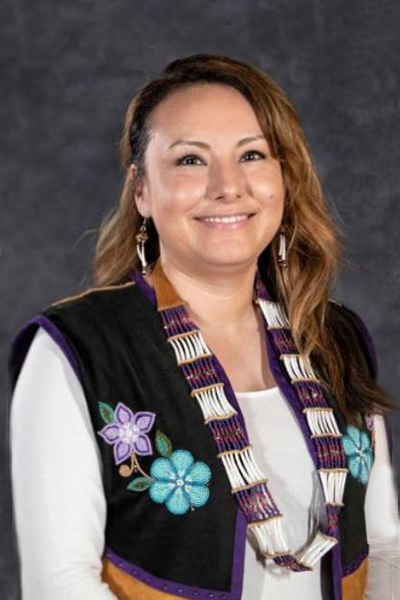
128 433
369 421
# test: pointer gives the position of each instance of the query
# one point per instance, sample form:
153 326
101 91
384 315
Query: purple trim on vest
174 588
337 572
23 339
145 287
353 566
238 555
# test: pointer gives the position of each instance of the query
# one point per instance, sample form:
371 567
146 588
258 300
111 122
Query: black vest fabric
114 340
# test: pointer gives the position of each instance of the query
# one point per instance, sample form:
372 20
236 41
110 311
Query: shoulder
104 312
77 321
350 330
45 365
101 307
93 298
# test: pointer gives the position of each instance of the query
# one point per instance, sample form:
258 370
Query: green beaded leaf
163 444
106 412
139 484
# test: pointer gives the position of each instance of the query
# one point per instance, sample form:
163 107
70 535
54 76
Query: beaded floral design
126 431
175 479
179 482
358 450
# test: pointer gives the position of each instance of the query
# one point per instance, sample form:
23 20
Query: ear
139 194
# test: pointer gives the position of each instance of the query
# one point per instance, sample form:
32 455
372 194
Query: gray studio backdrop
68 71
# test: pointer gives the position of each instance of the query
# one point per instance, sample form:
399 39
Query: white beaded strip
322 422
333 482
269 536
274 313
213 402
189 346
320 545
298 367
241 467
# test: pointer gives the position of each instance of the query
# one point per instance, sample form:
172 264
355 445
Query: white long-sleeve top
60 507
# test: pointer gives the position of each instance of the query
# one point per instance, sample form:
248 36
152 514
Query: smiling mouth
226 219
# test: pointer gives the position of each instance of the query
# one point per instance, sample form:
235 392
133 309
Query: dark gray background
68 70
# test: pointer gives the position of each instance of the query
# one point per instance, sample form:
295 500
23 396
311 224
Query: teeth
224 219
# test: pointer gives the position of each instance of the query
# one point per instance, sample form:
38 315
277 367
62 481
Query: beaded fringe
298 367
241 467
273 313
269 536
189 346
320 545
333 482
213 402
322 422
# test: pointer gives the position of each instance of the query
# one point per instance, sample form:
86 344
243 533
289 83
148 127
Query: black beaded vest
180 481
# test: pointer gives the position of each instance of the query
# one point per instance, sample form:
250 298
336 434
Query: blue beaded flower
357 447
179 482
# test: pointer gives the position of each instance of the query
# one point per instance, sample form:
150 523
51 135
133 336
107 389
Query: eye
254 152
181 160
193 157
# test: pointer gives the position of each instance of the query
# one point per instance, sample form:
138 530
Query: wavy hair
315 251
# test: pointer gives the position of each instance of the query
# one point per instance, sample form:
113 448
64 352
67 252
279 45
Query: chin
227 260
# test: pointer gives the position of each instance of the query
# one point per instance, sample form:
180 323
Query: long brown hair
315 248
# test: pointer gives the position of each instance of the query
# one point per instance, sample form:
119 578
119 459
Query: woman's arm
58 497
382 520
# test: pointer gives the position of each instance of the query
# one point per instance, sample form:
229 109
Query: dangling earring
282 257
282 260
141 238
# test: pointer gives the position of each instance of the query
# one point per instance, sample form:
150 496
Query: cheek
275 201
267 180
178 195
271 198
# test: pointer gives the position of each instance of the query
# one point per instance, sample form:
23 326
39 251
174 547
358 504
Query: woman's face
207 159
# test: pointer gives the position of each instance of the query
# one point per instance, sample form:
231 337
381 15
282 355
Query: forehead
204 109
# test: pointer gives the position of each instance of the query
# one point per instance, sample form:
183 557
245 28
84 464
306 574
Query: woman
206 418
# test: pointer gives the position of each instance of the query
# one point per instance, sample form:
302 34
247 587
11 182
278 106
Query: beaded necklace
211 390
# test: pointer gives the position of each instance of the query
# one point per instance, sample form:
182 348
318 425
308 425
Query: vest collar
166 294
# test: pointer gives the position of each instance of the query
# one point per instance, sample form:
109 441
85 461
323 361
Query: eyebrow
241 142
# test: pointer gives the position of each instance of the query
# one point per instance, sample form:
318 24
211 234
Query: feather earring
282 256
141 238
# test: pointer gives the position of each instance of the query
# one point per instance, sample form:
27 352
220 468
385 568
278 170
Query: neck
219 303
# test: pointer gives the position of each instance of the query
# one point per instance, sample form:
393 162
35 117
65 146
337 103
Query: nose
226 182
